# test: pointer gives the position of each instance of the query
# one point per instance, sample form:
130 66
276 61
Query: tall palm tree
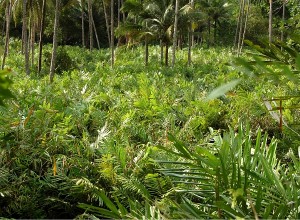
270 20
25 37
248 3
239 26
104 3
189 16
119 12
33 19
175 32
90 14
136 27
244 9
283 18
160 16
215 11
154 18
190 35
8 18
96 33
42 27
112 35
82 4
55 35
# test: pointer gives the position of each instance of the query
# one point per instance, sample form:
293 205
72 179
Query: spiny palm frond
4 180
102 135
239 168
133 186
86 187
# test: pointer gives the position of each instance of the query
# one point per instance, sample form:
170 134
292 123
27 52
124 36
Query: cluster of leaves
63 60
5 84
237 176
234 177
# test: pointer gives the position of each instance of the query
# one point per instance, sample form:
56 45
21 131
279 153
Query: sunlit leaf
223 89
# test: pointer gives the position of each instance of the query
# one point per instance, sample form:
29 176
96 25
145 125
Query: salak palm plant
236 176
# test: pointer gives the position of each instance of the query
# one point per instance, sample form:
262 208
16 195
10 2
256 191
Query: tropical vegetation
149 109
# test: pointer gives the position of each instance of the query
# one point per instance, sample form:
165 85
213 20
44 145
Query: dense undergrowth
105 142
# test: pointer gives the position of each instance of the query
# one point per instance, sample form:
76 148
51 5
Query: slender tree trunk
180 40
3 28
215 31
82 23
175 33
22 42
161 52
190 45
241 27
112 35
208 38
25 37
283 19
190 36
119 12
6 47
270 20
42 27
167 54
119 19
31 38
106 23
123 14
90 13
33 30
96 33
146 51
191 25
238 25
245 26
55 35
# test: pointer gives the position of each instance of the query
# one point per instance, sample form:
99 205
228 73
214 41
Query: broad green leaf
171 152
5 83
192 210
108 203
223 89
179 146
272 178
268 211
99 211
122 209
280 211
259 198
228 209
212 160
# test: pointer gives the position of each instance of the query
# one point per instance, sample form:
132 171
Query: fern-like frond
134 187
